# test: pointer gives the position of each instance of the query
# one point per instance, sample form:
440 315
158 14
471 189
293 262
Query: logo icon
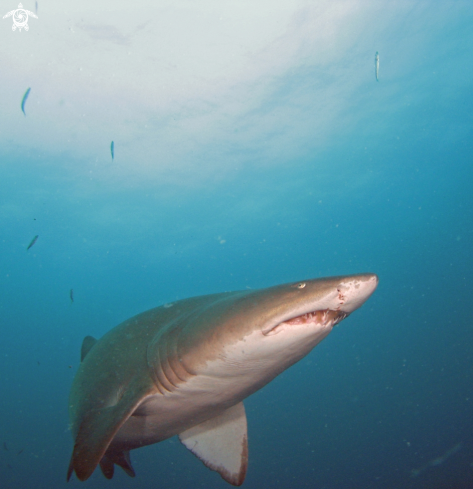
20 18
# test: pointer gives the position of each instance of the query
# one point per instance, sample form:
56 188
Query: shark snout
354 291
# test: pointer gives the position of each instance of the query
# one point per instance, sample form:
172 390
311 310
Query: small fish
37 361
112 150
20 452
376 66
9 466
33 241
25 96
5 446
71 295
36 8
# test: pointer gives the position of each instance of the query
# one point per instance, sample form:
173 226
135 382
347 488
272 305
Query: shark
185 368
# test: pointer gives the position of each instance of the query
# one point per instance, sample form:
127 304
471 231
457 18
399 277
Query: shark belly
222 384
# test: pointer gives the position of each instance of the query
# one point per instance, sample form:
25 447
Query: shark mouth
324 318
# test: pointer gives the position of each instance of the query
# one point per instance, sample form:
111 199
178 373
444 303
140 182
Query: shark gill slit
169 372
158 374
178 367
166 370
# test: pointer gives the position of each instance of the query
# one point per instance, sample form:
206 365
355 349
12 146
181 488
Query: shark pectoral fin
87 344
221 443
98 428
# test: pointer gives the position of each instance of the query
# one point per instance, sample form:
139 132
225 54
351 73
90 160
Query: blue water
324 171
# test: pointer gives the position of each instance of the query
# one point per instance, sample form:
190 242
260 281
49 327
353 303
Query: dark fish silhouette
5 446
112 150
25 96
376 66
20 452
33 241
71 295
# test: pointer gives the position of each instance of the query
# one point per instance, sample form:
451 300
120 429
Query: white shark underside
185 368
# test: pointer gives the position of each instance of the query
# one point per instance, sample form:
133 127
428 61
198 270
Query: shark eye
301 285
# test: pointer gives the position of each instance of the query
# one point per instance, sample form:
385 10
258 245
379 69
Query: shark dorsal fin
87 344
221 444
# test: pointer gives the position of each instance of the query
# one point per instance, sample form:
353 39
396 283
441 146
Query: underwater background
253 145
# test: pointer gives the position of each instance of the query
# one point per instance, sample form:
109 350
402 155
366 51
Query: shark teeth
324 317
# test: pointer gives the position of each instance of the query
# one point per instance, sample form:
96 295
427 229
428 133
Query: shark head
255 334
307 307
305 312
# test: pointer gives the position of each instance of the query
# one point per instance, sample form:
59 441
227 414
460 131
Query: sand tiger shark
185 368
